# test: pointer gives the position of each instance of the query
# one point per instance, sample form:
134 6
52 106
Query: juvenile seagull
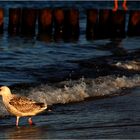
20 106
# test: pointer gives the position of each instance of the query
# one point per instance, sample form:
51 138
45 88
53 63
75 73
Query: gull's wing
25 105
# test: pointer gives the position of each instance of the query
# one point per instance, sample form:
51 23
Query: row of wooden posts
64 23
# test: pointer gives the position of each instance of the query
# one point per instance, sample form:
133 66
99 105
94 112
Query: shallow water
92 87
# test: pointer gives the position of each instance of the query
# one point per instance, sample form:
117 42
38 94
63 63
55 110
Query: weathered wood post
28 21
71 25
1 20
92 24
45 24
134 23
14 21
45 21
104 24
118 24
58 23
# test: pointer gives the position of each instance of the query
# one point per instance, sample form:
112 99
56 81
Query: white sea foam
130 65
74 91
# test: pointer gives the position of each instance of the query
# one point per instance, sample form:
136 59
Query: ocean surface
92 87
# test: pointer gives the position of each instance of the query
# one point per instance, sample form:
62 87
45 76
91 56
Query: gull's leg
30 121
17 121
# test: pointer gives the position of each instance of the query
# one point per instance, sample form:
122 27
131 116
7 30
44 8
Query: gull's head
4 90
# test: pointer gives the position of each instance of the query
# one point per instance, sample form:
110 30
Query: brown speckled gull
20 106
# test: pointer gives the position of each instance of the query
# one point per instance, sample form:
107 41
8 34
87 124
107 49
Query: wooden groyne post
59 15
92 24
45 21
134 23
14 21
104 30
118 24
71 28
1 20
45 24
28 21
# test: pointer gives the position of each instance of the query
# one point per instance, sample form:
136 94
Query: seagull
20 106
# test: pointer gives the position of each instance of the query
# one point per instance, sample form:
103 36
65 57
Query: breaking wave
74 91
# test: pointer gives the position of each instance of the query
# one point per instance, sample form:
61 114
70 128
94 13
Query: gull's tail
43 106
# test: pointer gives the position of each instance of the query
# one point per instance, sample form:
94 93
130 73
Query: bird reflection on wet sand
26 132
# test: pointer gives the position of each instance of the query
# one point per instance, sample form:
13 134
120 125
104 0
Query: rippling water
91 86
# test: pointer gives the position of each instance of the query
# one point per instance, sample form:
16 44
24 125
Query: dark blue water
93 86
